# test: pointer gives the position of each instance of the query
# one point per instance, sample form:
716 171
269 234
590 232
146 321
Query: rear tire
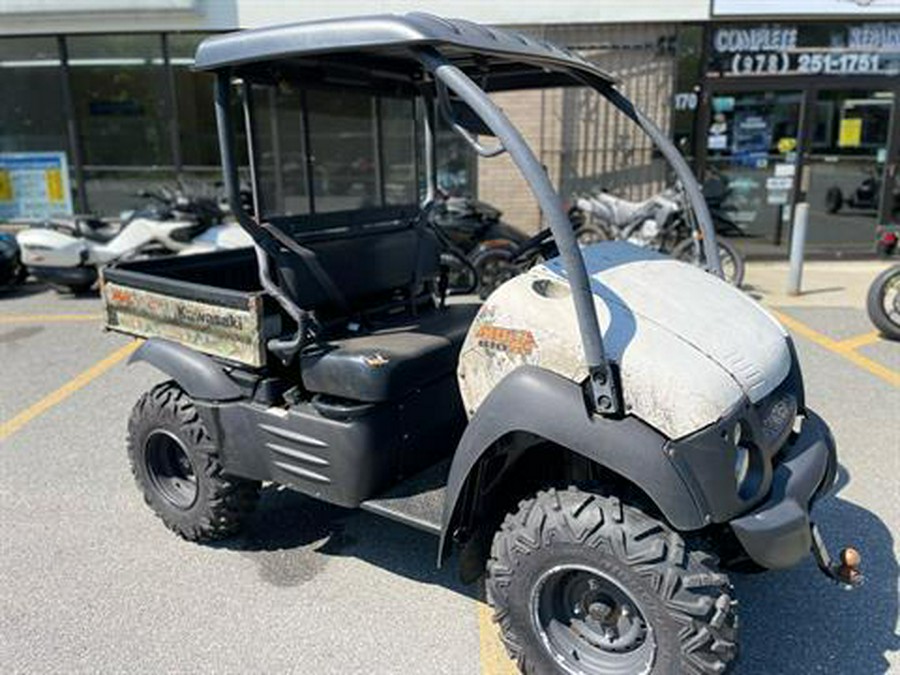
179 471
884 291
627 596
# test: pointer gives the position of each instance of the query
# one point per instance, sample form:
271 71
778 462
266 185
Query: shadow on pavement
23 290
291 537
799 622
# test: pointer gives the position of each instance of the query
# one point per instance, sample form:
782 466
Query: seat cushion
391 361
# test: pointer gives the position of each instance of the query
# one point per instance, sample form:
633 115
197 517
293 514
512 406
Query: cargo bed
210 302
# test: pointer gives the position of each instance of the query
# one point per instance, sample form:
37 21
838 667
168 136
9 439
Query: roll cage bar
603 386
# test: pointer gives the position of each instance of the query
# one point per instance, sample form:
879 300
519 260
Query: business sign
34 185
805 49
804 8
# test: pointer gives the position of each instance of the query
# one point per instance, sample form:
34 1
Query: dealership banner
34 185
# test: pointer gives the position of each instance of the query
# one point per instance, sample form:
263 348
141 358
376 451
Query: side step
418 501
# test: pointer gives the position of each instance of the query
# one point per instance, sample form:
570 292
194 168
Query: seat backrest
367 262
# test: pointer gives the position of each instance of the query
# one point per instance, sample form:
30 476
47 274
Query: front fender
199 375
549 406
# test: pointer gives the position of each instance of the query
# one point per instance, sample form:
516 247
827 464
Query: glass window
194 102
398 138
32 116
280 155
118 87
456 164
342 139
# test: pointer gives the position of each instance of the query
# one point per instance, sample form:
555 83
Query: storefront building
797 109
777 108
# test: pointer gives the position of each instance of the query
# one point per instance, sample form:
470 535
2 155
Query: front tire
883 302
733 266
179 471
581 583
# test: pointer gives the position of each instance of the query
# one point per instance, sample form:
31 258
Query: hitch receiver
846 572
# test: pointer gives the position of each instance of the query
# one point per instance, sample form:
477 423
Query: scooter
68 254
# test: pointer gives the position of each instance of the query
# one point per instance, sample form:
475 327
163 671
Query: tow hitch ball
846 570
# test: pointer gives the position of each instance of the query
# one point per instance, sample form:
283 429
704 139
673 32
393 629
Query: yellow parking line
887 374
860 340
47 318
494 659
12 426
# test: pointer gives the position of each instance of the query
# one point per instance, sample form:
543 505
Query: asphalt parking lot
91 582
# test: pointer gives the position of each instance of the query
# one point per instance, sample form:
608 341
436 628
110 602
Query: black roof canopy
381 46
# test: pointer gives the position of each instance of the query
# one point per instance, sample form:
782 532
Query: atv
601 439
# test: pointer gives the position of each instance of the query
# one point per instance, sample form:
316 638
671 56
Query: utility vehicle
591 438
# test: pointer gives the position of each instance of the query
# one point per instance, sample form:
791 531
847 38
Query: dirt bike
659 223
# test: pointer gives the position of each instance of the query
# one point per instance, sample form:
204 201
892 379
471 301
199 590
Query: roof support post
602 385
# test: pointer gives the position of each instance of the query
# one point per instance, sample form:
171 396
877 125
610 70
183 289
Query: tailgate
224 323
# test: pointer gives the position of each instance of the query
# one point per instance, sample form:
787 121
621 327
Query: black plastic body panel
552 407
199 375
777 535
341 452
706 458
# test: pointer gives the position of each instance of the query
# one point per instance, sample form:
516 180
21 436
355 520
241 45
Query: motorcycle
12 271
883 302
68 253
471 228
659 223
864 197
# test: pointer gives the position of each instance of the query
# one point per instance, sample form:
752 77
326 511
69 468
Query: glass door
752 150
845 175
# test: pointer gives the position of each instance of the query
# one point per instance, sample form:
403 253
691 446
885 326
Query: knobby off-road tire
178 469
586 545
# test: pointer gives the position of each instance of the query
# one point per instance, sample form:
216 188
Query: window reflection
32 116
118 89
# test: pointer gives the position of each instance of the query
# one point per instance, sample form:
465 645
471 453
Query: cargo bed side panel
233 333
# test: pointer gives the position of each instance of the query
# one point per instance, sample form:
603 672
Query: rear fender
199 375
549 406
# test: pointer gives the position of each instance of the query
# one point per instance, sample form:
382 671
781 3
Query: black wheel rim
170 469
590 623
